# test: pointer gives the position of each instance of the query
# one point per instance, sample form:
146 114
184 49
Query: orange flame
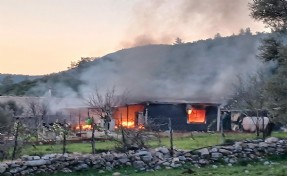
84 127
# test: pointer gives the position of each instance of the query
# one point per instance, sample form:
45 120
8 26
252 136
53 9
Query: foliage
272 12
82 63
178 41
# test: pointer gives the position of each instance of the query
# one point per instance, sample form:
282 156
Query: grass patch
186 142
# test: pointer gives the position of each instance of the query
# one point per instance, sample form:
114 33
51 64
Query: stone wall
148 160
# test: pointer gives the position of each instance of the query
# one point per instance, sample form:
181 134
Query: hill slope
199 70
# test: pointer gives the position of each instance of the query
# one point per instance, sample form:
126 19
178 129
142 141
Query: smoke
161 21
200 71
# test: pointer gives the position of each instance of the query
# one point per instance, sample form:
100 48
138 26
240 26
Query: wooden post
221 127
122 131
80 123
64 137
17 123
170 136
218 119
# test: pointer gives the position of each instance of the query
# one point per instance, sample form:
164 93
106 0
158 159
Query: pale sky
44 36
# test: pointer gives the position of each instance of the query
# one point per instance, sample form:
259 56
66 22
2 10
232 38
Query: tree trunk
123 134
64 138
264 130
15 140
93 138
64 143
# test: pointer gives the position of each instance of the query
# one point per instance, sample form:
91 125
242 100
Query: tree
83 62
178 41
217 36
249 96
7 81
273 13
38 111
104 105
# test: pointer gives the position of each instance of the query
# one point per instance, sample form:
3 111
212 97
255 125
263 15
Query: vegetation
186 141
274 14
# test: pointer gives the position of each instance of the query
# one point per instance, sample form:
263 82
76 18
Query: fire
128 124
84 127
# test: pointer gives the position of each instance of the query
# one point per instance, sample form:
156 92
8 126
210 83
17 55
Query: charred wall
160 113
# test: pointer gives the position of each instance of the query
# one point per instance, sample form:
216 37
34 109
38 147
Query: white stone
3 167
36 162
271 140
116 174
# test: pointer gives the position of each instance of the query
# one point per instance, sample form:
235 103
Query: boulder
203 152
3 167
36 162
138 164
271 140
216 155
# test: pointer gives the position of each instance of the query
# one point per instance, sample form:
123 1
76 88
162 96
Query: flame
128 124
84 127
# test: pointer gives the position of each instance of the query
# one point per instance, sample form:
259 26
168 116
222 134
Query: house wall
128 114
160 113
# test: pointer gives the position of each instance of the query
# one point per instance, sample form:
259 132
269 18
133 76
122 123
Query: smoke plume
161 21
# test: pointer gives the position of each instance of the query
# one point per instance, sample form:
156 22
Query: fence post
170 136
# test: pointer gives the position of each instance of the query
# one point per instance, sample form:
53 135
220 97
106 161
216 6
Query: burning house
184 115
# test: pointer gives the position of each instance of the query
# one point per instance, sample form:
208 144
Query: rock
36 157
182 158
101 171
266 163
116 174
214 166
124 160
36 162
81 167
174 165
229 164
232 160
271 140
3 167
163 150
142 153
174 160
26 158
187 154
147 158
263 144
157 168
138 164
216 155
213 150
203 161
108 157
66 170
203 152
225 152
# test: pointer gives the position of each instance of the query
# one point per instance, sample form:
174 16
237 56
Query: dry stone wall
146 160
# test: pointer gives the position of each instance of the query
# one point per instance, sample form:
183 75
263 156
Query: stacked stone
145 159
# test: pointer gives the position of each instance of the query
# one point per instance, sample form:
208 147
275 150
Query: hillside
18 78
200 70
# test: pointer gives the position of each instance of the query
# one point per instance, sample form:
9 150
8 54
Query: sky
44 36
